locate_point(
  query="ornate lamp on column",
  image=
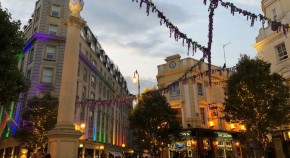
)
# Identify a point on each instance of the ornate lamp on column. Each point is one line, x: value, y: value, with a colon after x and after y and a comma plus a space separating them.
x: 136, y: 79
x: 123, y: 151
x: 63, y: 140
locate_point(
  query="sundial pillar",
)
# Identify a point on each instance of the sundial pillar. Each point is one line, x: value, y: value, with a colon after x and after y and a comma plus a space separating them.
x: 63, y: 140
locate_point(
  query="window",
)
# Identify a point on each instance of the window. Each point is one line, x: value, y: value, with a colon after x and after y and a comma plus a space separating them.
x: 55, y: 11
x: 77, y: 90
x: 37, y: 13
x: 175, y: 91
x: 50, y: 52
x: 199, y: 89
x: 94, y: 63
x: 31, y: 54
x: 100, y: 87
x: 52, y: 30
x: 85, y: 74
x: 282, y: 52
x: 274, y: 13
x: 35, y: 29
x: 104, y: 91
x: 47, y: 75
x: 93, y: 81
x: 79, y: 66
x: 84, y: 92
x: 28, y: 75
x: 202, y: 115
x: 92, y: 95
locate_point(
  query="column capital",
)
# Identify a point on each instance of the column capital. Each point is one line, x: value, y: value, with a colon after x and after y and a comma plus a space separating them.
x: 75, y: 21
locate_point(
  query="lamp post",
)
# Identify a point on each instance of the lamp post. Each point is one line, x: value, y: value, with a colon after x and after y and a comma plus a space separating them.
x: 225, y: 53
x: 136, y: 79
x: 123, y: 152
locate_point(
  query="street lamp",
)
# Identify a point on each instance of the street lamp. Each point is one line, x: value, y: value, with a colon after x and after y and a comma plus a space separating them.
x: 123, y: 146
x: 136, y: 79
x: 225, y: 53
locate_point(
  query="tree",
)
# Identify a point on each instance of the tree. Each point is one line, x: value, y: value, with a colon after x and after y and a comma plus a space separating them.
x: 39, y: 117
x: 154, y: 123
x: 12, y: 81
x: 257, y: 97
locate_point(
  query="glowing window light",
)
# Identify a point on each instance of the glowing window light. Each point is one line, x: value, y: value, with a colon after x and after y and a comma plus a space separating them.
x: 243, y: 127
x: 211, y: 123
x: 233, y: 126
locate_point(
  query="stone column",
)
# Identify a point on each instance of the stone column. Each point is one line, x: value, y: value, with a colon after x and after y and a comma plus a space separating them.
x: 63, y: 140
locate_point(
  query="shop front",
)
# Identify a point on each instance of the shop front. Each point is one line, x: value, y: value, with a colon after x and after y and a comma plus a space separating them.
x: 204, y: 143
x: 281, y: 141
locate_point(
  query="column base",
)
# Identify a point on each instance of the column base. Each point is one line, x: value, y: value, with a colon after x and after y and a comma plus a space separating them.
x: 63, y: 142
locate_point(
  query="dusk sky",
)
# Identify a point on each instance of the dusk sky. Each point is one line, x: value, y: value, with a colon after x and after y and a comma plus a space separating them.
x: 134, y: 40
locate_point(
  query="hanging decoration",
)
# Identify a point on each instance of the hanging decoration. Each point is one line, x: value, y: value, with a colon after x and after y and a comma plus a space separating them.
x: 174, y: 31
x: 275, y: 25
x: 150, y: 6
x: 177, y: 34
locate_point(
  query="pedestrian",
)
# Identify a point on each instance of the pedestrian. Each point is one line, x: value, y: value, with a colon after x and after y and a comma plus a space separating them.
x: 47, y: 156
x: 39, y: 154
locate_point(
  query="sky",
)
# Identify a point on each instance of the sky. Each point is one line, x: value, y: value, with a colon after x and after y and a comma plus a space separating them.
x: 135, y: 41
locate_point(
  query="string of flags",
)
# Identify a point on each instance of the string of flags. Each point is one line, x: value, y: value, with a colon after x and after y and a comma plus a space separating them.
x: 93, y: 104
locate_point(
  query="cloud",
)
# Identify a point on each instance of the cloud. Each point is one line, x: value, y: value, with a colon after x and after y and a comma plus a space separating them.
x: 20, y: 10
x: 249, y: 2
x: 125, y: 24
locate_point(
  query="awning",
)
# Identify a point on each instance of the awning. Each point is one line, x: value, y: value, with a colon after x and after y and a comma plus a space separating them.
x: 116, y: 154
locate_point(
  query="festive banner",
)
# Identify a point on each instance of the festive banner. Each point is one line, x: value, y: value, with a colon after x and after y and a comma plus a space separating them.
x: 4, y: 122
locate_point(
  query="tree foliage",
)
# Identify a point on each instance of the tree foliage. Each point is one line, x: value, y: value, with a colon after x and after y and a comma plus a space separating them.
x: 154, y: 123
x: 12, y: 81
x: 257, y: 97
x: 39, y: 117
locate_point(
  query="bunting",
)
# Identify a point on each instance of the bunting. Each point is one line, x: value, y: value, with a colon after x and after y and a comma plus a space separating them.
x: 4, y: 122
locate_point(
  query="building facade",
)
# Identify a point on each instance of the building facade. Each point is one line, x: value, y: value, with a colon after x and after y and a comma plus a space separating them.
x: 199, y: 105
x: 273, y: 47
x: 105, y: 126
